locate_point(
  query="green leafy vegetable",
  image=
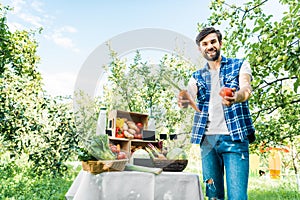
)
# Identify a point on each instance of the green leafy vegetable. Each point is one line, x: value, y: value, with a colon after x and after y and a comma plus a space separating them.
x: 98, y: 147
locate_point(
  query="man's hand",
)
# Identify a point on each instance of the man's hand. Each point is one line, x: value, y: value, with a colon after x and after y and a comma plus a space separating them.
x: 229, y: 100
x: 184, y: 99
x: 243, y: 94
x: 182, y: 103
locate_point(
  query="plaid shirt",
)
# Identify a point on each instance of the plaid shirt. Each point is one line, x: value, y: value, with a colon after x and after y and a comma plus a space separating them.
x: 237, y: 116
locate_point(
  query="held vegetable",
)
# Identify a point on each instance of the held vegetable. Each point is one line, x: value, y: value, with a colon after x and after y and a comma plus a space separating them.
x: 225, y: 91
x: 185, y: 96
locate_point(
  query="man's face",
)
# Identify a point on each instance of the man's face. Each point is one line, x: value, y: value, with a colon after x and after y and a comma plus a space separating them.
x: 210, y: 47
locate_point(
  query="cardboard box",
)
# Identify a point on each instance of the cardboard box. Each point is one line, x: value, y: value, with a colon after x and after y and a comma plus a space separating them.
x: 132, y: 116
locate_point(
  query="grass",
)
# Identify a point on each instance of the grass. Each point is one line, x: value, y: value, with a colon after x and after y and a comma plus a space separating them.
x: 264, y: 188
x: 261, y: 188
x: 267, y: 189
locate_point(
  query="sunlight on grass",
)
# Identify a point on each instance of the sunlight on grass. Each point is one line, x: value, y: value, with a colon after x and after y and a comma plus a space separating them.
x: 264, y: 188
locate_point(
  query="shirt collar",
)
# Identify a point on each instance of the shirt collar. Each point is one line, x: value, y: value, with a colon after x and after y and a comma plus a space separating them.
x: 224, y: 60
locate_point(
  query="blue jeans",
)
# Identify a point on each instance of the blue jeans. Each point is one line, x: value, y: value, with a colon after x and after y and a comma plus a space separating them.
x: 220, y: 155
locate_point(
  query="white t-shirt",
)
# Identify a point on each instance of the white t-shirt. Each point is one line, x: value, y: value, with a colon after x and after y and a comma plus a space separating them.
x: 216, y: 121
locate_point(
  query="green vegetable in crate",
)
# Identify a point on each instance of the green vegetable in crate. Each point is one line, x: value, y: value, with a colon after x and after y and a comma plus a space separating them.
x: 176, y: 154
x: 98, y: 146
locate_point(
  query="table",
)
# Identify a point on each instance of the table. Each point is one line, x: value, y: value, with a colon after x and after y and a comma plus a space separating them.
x: 131, y: 185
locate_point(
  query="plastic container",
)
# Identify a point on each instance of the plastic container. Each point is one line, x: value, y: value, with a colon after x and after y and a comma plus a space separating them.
x: 275, y: 164
x: 101, y: 123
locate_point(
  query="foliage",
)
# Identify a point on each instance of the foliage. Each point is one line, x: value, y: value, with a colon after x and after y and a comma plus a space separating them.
x: 272, y: 48
x: 86, y: 115
x: 30, y: 122
x: 57, y: 139
x: 141, y: 87
x: 19, y: 181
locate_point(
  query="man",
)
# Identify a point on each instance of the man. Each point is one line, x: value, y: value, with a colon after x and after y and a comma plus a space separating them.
x: 224, y: 123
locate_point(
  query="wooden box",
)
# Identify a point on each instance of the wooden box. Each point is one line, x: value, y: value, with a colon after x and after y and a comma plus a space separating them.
x: 131, y: 116
x: 123, y: 142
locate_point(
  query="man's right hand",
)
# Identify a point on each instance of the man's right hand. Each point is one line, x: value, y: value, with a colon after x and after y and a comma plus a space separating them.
x: 182, y: 101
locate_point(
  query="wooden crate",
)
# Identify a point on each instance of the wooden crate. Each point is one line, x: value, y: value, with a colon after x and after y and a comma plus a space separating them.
x: 131, y: 116
x: 123, y: 142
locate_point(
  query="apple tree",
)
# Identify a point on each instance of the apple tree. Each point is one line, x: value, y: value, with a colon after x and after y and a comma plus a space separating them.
x: 33, y: 126
x: 139, y: 86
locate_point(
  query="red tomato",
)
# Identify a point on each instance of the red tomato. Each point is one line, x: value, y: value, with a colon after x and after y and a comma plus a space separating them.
x: 226, y: 92
x: 140, y: 125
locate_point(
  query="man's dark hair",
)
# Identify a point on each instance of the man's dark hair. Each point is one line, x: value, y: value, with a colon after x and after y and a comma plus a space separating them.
x: 206, y: 31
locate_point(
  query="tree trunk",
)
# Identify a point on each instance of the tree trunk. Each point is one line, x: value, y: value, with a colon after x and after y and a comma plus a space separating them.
x: 295, y: 157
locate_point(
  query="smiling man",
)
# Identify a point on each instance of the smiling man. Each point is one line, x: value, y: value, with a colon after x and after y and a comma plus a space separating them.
x: 223, y: 126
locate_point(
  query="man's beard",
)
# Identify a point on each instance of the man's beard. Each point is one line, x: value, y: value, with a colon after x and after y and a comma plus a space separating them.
x: 214, y: 58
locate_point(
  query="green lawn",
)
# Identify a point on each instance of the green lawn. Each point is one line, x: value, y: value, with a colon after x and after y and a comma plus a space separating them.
x: 264, y: 188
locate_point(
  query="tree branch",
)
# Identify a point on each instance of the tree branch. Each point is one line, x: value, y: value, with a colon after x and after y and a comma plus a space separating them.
x: 245, y: 11
x: 272, y: 109
x: 272, y: 82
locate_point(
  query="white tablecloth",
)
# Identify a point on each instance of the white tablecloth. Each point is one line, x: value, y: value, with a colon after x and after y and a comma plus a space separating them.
x: 130, y: 185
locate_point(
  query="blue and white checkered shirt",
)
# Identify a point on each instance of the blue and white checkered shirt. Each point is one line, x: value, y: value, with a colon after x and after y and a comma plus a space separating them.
x: 237, y: 116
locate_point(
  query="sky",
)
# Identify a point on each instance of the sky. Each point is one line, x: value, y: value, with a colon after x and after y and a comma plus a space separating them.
x: 73, y: 29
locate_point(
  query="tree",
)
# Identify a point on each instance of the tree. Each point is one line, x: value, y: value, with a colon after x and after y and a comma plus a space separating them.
x: 32, y: 125
x: 273, y: 50
x: 141, y: 87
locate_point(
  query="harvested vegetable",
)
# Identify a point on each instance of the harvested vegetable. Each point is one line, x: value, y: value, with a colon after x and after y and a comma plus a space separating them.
x: 119, y: 133
x: 156, y: 152
x: 176, y: 154
x: 98, y: 147
x: 128, y: 135
x: 130, y: 167
x: 150, y: 153
x: 120, y: 122
x: 141, y: 153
